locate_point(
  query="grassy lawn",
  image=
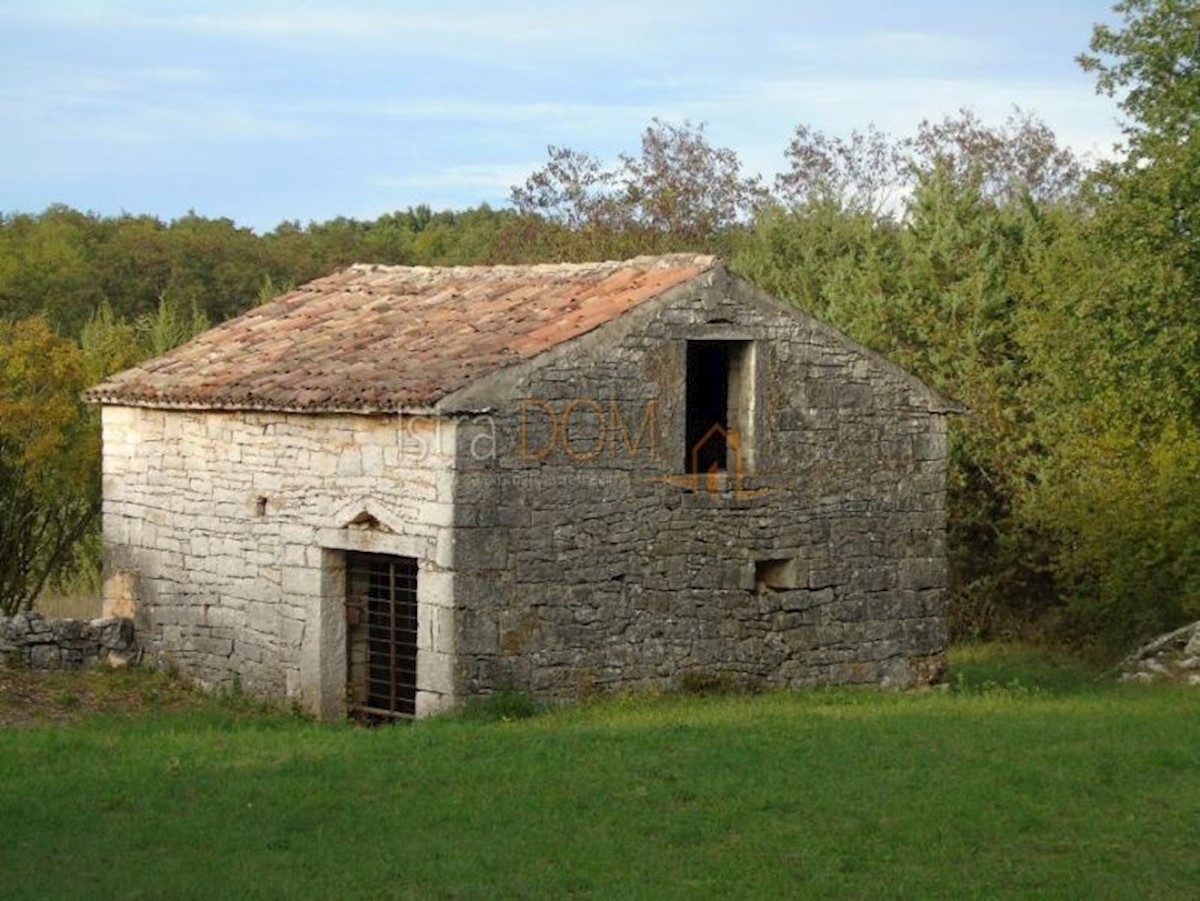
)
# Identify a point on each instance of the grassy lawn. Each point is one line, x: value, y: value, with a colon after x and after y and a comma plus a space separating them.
x: 1028, y: 778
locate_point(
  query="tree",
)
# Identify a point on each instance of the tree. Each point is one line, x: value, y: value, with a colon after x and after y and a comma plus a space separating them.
x: 918, y: 248
x: 1150, y: 214
x: 679, y: 193
x: 47, y: 266
x: 840, y: 265
x: 1019, y: 157
x: 574, y: 189
x: 109, y: 344
x: 863, y: 173
x: 873, y: 172
x: 168, y: 325
x: 954, y: 321
x: 1154, y: 58
x: 49, y: 449
x: 1117, y: 342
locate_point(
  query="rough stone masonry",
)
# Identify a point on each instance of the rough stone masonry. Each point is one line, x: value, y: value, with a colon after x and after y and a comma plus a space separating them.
x: 31, y: 640
x: 582, y: 562
x: 533, y: 458
x: 1174, y: 657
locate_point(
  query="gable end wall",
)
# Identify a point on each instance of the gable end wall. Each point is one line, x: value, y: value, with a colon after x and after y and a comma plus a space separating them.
x: 576, y: 572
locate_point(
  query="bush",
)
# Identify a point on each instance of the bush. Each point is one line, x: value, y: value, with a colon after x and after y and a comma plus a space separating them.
x: 1129, y: 557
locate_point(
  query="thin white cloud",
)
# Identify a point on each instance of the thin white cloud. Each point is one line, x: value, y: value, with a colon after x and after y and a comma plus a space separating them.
x: 493, y: 179
x: 141, y: 104
x: 174, y: 74
x: 49, y: 83
x: 619, y: 25
x: 892, y: 48
x: 384, y: 25
x: 501, y: 112
x: 213, y: 123
x: 499, y: 24
x: 78, y: 116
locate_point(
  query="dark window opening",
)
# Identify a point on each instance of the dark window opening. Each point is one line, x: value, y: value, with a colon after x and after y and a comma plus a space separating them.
x: 707, y: 406
x: 719, y: 406
x: 381, y: 635
x: 774, y: 575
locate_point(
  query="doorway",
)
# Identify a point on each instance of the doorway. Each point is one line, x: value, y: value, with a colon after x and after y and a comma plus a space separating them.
x: 381, y: 635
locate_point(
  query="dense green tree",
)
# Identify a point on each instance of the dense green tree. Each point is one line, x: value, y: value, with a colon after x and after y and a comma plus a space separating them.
x: 1150, y: 214
x: 953, y: 319
x: 132, y: 263
x: 841, y: 265
x: 109, y: 344
x: 1118, y: 337
x: 46, y: 266
x: 49, y: 450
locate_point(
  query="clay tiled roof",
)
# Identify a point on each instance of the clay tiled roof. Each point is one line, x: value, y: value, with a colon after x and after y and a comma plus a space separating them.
x: 387, y: 338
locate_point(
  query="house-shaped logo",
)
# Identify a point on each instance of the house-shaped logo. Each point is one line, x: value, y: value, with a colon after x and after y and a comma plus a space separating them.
x: 716, y: 465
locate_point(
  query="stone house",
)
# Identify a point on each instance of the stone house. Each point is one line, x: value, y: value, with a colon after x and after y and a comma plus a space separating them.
x: 393, y: 488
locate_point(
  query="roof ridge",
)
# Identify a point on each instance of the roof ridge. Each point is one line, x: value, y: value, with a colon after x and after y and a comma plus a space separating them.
x: 644, y: 261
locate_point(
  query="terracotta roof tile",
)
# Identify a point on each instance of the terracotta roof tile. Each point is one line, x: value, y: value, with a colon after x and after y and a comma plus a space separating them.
x: 388, y: 338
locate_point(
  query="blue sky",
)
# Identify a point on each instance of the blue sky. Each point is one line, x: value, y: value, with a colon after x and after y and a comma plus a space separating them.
x: 265, y: 111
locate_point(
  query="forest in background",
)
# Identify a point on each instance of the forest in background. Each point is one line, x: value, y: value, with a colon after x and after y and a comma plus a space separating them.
x: 1056, y: 297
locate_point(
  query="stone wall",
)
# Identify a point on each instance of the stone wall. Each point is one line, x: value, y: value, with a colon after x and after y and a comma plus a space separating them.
x: 1174, y: 657
x: 602, y: 567
x: 29, y: 639
x: 226, y: 534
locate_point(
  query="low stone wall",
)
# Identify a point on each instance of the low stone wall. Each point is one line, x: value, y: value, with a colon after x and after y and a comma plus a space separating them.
x: 1174, y: 657
x: 32, y: 640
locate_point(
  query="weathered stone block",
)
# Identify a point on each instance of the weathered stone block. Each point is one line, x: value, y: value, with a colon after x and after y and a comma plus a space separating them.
x: 480, y: 549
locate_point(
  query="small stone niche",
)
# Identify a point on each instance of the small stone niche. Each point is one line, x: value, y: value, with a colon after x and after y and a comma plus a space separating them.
x: 775, y: 575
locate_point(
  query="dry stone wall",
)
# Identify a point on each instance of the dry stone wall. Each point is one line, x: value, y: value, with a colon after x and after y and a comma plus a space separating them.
x: 1174, y: 657
x: 29, y: 639
x: 591, y: 566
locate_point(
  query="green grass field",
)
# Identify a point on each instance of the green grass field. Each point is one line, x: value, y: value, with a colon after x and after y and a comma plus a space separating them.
x: 1028, y: 778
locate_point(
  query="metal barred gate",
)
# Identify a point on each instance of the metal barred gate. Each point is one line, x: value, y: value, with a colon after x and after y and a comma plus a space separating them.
x: 381, y: 635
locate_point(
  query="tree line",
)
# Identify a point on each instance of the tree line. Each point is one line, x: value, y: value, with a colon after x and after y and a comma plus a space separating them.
x: 1057, y: 299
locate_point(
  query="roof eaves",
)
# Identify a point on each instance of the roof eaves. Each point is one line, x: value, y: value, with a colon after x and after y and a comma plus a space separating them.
x: 220, y: 405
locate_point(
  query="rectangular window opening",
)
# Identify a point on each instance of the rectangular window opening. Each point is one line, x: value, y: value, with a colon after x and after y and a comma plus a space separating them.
x: 720, y: 407
x: 381, y: 635
x: 774, y: 575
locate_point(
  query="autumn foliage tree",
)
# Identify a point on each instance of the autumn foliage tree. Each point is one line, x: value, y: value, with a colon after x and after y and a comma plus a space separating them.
x: 49, y: 449
x: 679, y: 193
